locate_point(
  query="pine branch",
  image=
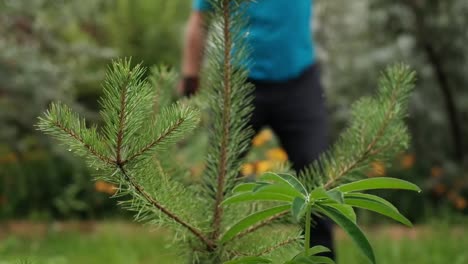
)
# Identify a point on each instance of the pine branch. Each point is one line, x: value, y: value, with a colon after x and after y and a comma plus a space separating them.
x: 218, y: 209
x: 377, y: 132
x: 155, y: 142
x: 90, y: 149
x: 198, y: 233
x: 60, y: 122
x: 127, y: 107
x: 122, y: 127
x: 279, y: 245
x: 370, y: 149
x: 123, y: 106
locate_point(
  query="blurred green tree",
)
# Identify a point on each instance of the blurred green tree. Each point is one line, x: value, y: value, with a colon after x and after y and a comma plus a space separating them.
x: 358, y: 38
x: 47, y: 55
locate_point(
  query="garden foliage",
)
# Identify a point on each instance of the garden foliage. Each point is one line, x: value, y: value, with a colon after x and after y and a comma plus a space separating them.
x: 56, y: 51
x: 358, y: 39
x: 219, y: 219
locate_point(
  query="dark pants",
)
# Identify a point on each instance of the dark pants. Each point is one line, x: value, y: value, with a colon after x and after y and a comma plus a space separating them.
x: 295, y: 111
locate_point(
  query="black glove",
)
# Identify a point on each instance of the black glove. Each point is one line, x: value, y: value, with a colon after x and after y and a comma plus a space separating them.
x: 190, y: 86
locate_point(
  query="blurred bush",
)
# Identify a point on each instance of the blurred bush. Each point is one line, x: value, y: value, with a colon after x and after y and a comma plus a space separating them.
x: 47, y: 55
x: 358, y: 38
x: 57, y: 51
x: 150, y: 31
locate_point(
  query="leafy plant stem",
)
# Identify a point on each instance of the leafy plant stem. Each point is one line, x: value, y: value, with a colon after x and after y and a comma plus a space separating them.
x: 307, y: 229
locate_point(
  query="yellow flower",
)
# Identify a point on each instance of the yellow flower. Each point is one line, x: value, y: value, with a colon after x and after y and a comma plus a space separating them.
x: 440, y: 189
x: 407, y: 161
x: 277, y: 154
x: 261, y: 138
x: 436, y: 172
x: 247, y: 169
x: 35, y: 155
x: 460, y: 203
x: 452, y: 196
x: 197, y: 170
x: 378, y: 169
x: 9, y: 158
x: 105, y: 187
x: 263, y: 166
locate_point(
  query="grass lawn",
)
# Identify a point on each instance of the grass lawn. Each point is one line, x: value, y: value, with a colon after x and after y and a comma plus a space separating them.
x: 121, y: 243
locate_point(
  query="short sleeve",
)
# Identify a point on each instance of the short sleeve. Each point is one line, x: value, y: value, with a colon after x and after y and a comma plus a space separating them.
x: 201, y: 5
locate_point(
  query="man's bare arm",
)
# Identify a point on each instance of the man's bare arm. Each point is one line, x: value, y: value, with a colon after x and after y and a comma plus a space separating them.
x: 192, y: 57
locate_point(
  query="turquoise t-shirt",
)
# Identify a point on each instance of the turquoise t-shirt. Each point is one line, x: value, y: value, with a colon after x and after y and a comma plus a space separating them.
x: 279, y: 37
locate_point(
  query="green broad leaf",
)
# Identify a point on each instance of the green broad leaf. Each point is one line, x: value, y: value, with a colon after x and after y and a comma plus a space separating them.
x: 378, y: 207
x: 251, y: 220
x: 260, y: 184
x: 284, y: 189
x: 257, y: 196
x: 249, y: 260
x: 313, y: 251
x: 344, y: 209
x: 272, y: 177
x: 336, y: 195
x: 321, y: 260
x: 318, y: 193
x: 351, y: 229
x: 317, y: 250
x: 378, y: 183
x: 244, y: 187
x: 298, y: 208
x: 370, y: 197
x: 311, y: 260
x: 285, y: 178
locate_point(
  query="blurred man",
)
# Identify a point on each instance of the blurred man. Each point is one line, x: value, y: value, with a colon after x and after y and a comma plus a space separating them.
x: 288, y: 93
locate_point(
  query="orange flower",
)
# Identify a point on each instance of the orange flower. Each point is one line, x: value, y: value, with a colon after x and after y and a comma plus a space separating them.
x: 436, y: 172
x: 105, y: 187
x: 460, y: 203
x: 407, y: 161
x: 8, y: 158
x: 261, y: 138
x: 277, y: 154
x: 247, y: 169
x: 263, y: 166
x: 440, y: 189
x: 378, y: 169
x: 452, y: 196
x: 35, y: 155
x: 197, y: 170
